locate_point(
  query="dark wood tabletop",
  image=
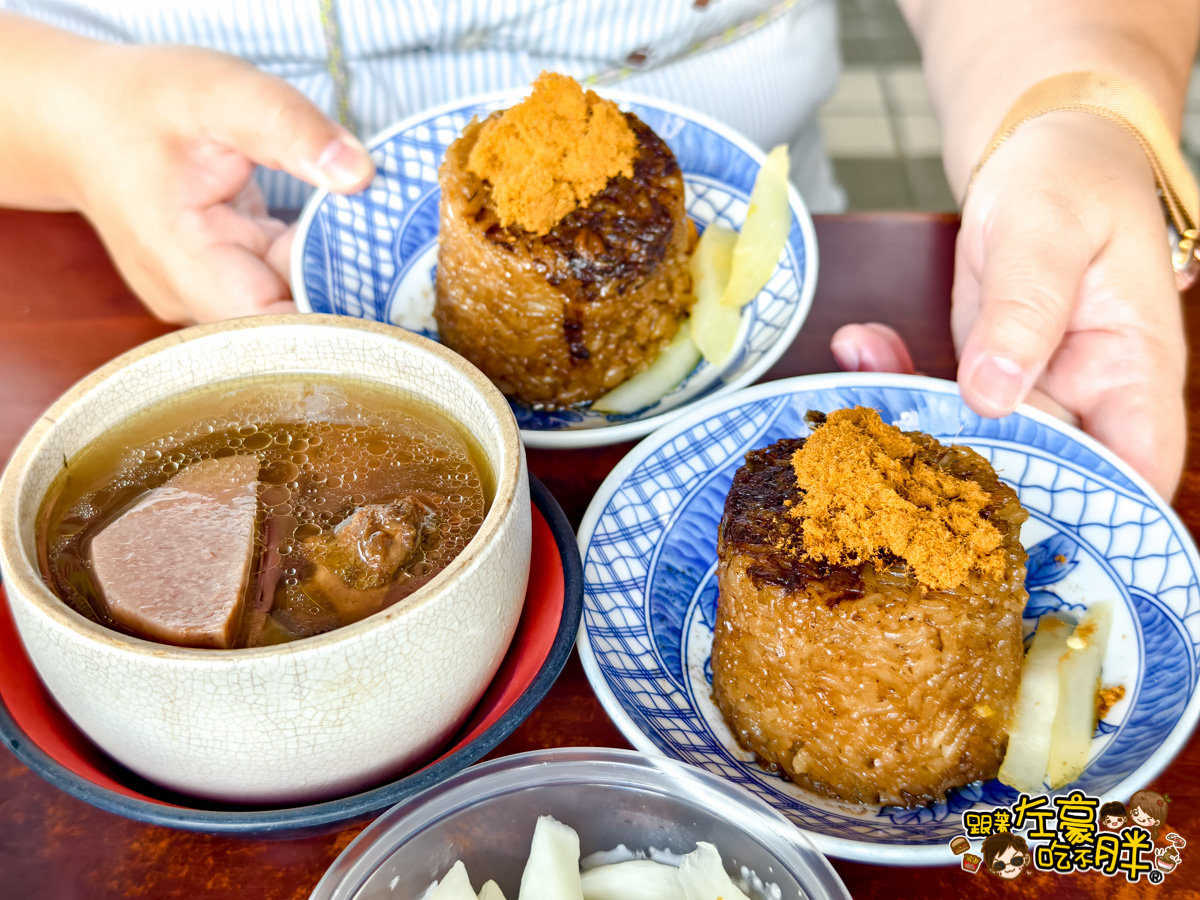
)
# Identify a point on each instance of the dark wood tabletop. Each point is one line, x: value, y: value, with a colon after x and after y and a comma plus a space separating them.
x: 64, y: 311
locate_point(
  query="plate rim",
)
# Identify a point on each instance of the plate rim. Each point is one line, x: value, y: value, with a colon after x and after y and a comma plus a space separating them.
x: 603, y: 435
x: 892, y: 853
x: 295, y: 821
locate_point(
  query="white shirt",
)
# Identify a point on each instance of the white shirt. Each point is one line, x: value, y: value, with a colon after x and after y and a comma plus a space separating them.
x: 761, y: 66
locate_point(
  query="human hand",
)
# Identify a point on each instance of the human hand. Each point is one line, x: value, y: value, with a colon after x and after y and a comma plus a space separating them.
x: 1064, y: 295
x: 164, y: 146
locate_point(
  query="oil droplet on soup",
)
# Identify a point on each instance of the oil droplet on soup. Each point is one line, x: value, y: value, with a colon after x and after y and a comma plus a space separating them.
x: 362, y: 497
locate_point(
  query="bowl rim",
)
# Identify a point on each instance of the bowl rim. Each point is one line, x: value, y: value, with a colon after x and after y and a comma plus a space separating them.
x: 356, y: 806
x: 761, y: 821
x: 891, y: 853
x: 603, y: 435
x: 27, y: 580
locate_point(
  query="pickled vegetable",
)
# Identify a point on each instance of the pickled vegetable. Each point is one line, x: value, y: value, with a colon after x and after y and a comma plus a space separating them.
x: 764, y: 232
x: 646, y: 388
x: 638, y: 879
x: 704, y: 876
x: 1024, y: 766
x: 1078, y: 682
x: 455, y: 885
x: 714, y: 325
x: 552, y: 871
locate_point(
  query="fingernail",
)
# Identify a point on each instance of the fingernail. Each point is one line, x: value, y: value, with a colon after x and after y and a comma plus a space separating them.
x: 343, y: 164
x: 846, y: 354
x: 998, y: 382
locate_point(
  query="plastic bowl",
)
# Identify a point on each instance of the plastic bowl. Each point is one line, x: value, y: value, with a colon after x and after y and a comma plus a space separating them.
x: 485, y: 816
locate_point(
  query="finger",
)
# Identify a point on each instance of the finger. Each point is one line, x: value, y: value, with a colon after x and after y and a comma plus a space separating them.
x: 225, y: 281
x: 1123, y: 366
x: 279, y: 307
x: 274, y: 229
x: 279, y: 256
x: 871, y: 347
x: 250, y: 201
x: 1033, y: 266
x: 223, y: 224
x: 1126, y: 383
x: 1039, y: 399
x: 148, y: 285
x: 1144, y: 424
x: 275, y: 125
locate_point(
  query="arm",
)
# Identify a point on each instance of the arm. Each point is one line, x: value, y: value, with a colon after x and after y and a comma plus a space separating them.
x: 157, y: 146
x: 1064, y: 295
x: 981, y: 55
x: 31, y: 172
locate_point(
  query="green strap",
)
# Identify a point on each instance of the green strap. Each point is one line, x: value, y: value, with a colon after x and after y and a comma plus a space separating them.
x: 336, y: 63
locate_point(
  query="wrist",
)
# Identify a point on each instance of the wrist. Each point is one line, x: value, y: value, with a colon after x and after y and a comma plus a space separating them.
x: 966, y: 144
x: 90, y: 109
x: 1087, y: 166
x: 42, y: 76
x: 974, y: 86
x: 1108, y: 100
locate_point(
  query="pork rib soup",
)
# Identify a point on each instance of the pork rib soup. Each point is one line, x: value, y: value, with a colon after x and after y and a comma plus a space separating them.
x: 253, y: 513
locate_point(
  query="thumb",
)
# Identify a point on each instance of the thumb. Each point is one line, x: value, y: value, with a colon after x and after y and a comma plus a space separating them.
x: 1027, y: 289
x: 275, y: 125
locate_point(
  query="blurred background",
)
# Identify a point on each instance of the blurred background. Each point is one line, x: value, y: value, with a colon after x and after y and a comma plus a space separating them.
x: 879, y: 127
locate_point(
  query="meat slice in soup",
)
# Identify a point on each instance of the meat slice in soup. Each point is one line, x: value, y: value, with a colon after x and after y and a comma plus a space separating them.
x: 355, y: 569
x: 174, y: 566
x: 372, y: 543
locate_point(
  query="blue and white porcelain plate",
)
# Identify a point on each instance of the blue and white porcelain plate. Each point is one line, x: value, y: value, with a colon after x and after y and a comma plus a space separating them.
x: 1096, y: 532
x: 374, y: 254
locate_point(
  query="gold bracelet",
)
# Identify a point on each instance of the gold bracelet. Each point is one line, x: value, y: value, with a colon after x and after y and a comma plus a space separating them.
x: 1119, y: 101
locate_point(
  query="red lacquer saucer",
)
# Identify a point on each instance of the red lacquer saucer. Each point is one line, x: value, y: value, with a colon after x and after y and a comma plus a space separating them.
x: 34, y: 728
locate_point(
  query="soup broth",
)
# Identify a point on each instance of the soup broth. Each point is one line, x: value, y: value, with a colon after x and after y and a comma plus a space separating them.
x: 361, y: 497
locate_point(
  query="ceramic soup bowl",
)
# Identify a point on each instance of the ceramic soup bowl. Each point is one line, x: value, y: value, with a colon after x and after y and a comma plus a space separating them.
x: 293, y: 722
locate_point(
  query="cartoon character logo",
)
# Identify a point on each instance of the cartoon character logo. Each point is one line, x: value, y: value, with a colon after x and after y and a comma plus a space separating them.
x: 1005, y: 854
x: 1149, y: 810
x: 1113, y: 816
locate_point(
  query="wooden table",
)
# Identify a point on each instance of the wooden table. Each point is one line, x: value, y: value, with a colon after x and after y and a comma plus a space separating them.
x: 64, y: 311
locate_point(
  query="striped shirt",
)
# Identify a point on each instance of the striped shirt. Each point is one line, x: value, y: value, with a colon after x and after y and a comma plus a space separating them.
x: 761, y: 66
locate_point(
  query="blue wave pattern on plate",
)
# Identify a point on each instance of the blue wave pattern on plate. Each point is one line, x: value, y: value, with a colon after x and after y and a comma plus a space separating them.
x: 1050, y: 561
x: 1166, y: 686
x: 649, y: 574
x: 361, y: 250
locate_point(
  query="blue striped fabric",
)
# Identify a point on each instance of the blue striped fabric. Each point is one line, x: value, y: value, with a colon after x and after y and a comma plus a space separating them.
x: 404, y: 56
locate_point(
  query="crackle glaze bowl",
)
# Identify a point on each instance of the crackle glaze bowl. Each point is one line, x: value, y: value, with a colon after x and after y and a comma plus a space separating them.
x: 317, y: 718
